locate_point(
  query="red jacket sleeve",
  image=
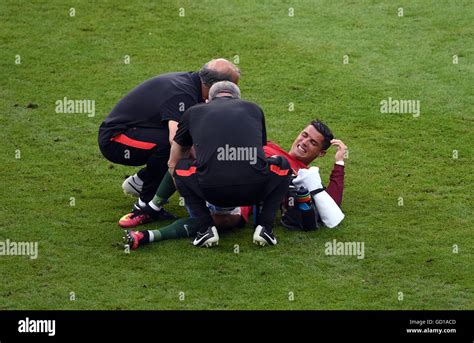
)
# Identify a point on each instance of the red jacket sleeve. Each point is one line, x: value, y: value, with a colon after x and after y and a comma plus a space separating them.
x: 335, y: 187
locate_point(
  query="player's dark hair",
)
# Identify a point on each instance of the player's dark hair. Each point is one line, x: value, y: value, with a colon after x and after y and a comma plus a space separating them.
x: 209, y: 76
x: 325, y: 131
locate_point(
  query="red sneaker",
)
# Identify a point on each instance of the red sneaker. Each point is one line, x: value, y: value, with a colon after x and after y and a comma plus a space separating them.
x: 132, y: 239
x: 134, y: 219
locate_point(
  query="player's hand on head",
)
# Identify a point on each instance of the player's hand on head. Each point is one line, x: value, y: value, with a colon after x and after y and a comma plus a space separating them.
x: 341, y: 149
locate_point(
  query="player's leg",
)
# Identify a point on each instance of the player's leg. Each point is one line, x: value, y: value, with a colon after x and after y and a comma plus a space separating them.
x: 165, y: 190
x: 181, y: 228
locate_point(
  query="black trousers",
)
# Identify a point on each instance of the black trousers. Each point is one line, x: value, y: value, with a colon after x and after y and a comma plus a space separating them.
x: 137, y: 147
x: 269, y: 192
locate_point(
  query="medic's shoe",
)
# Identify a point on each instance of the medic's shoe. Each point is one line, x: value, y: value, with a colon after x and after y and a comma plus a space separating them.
x: 207, y: 238
x: 132, y: 239
x: 262, y: 236
x: 132, y: 185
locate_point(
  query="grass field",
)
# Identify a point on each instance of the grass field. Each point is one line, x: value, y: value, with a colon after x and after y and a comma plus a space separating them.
x: 423, y: 249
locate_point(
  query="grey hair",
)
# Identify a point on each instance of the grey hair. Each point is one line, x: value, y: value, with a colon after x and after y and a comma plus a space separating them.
x: 224, y: 87
x: 210, y: 76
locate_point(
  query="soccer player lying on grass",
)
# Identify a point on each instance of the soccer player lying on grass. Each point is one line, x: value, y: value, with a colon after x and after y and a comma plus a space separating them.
x: 141, y: 127
x: 312, y: 142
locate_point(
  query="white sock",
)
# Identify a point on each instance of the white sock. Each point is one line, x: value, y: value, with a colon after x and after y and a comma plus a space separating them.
x: 151, y: 236
x: 153, y: 206
x: 141, y: 203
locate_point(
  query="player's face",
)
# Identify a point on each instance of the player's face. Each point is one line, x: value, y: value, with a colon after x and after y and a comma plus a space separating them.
x: 308, y: 145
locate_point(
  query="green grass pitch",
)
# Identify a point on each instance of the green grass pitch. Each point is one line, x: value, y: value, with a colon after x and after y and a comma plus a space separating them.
x: 333, y: 60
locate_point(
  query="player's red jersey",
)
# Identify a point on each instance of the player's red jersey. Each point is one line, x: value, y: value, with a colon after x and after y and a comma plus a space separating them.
x: 336, y: 180
x: 274, y: 149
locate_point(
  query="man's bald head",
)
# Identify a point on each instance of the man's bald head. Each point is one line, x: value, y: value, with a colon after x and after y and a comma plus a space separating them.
x: 224, y: 68
x: 217, y: 70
